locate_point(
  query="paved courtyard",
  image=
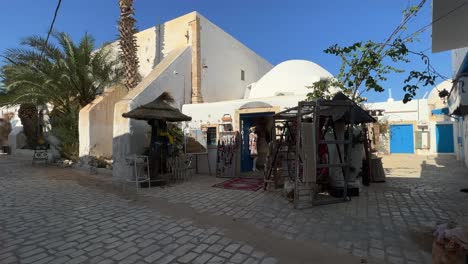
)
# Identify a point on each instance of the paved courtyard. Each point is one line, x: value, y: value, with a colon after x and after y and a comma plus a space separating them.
x: 57, y: 215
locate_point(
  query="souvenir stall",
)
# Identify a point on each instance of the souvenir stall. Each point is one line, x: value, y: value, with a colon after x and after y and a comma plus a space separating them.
x: 227, y: 154
x: 317, y: 155
x: 162, y: 146
x: 227, y: 148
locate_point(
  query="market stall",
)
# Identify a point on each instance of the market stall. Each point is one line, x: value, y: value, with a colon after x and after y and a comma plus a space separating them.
x: 163, y: 143
x: 318, y: 151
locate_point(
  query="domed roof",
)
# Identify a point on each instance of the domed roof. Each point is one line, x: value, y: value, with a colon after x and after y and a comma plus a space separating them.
x: 289, y: 78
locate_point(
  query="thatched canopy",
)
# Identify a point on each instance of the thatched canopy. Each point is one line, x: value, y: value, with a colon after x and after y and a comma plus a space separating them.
x: 159, y: 109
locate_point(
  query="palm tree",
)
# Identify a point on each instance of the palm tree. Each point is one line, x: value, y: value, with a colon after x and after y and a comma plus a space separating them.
x: 41, y: 72
x: 66, y: 75
x: 127, y: 43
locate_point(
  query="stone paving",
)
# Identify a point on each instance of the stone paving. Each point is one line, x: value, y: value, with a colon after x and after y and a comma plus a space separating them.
x: 56, y: 215
x: 389, y: 222
x: 58, y: 221
x: 52, y: 215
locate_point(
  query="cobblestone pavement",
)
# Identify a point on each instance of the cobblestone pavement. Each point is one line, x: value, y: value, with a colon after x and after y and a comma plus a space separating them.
x: 57, y: 215
x: 389, y: 222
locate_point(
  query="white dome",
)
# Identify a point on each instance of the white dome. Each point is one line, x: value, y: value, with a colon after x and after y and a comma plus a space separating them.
x: 289, y: 78
x: 433, y: 97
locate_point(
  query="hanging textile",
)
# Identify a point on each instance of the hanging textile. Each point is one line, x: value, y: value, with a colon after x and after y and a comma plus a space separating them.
x: 226, y: 158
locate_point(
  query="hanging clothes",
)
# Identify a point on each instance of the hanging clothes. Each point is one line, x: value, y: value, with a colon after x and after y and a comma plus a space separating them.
x: 253, y: 138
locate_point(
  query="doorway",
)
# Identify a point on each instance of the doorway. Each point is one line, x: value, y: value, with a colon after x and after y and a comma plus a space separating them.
x: 444, y: 138
x: 401, y: 139
x: 263, y: 122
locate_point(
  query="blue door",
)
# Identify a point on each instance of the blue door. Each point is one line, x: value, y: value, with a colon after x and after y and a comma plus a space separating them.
x: 247, y: 121
x: 444, y: 138
x: 401, y: 139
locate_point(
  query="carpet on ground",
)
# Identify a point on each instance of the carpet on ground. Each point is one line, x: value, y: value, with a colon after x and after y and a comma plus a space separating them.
x: 241, y: 184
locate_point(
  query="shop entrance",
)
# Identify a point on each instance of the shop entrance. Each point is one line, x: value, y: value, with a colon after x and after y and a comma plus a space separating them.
x: 263, y: 123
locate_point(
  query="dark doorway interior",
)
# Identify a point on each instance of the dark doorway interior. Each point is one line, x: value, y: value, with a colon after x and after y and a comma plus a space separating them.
x: 263, y: 123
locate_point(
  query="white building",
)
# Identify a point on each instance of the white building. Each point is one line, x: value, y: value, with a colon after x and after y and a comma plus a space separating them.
x: 190, y: 57
x: 16, y: 138
x: 450, y: 18
x: 281, y: 88
x: 421, y: 126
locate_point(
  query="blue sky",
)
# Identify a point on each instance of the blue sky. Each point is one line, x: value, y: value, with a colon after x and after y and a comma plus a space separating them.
x: 276, y: 30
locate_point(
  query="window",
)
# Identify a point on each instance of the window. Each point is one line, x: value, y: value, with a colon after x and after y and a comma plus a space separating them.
x: 242, y: 75
x: 211, y: 136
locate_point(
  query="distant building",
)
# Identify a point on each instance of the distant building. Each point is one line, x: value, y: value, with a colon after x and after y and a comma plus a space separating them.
x: 421, y: 126
x: 449, y: 20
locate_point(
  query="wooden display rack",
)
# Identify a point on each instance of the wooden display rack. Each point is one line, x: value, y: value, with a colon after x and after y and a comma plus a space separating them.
x: 310, y: 113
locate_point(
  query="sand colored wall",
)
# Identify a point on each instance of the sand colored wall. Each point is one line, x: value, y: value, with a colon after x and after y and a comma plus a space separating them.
x: 157, y: 42
x: 132, y: 136
x: 96, y: 124
x: 154, y: 44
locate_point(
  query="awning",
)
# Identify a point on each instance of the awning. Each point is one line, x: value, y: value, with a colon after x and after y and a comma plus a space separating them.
x: 337, y: 107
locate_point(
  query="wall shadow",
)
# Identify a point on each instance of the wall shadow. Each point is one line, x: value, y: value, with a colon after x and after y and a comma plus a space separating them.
x: 160, y: 31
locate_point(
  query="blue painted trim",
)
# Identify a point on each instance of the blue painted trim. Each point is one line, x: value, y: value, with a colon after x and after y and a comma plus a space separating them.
x: 441, y: 111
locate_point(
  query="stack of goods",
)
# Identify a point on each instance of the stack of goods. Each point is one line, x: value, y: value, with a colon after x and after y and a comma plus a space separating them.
x: 450, y: 244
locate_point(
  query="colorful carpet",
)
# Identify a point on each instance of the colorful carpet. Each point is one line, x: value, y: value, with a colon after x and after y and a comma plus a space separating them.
x: 241, y: 184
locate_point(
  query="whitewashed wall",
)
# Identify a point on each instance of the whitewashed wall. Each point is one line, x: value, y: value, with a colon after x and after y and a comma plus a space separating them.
x: 96, y: 124
x: 460, y: 140
x: 465, y: 138
x: 225, y: 57
x: 157, y: 42
x: 416, y: 110
x: 154, y: 44
x: 211, y: 113
x: 131, y: 136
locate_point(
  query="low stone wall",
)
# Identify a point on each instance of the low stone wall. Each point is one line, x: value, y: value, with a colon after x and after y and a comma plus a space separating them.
x: 96, y: 124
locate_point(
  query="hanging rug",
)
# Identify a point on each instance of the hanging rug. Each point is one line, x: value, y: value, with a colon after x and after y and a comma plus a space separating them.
x: 241, y: 184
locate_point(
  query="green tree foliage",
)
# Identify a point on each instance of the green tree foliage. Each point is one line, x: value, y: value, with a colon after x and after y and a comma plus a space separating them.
x: 41, y: 72
x: 64, y: 74
x: 366, y: 64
